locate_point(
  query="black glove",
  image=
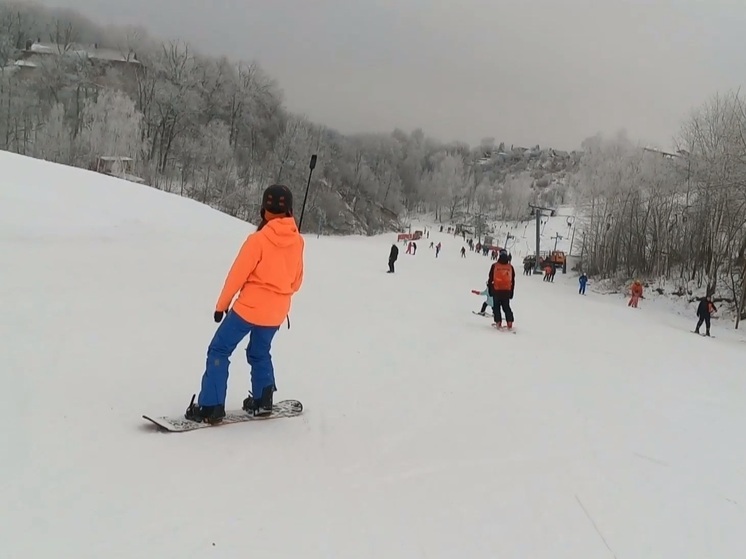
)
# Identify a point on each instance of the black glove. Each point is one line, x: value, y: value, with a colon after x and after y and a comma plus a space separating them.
x: 218, y: 316
x: 511, y: 294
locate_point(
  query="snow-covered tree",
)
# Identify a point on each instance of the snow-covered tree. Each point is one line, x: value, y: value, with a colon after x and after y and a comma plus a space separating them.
x: 53, y: 139
x: 110, y: 126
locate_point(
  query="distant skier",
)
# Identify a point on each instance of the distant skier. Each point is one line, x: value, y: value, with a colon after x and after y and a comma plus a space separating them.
x: 488, y: 302
x: 547, y: 272
x: 501, y: 285
x: 393, y: 255
x: 463, y: 252
x: 704, y: 312
x: 266, y: 273
x: 635, y: 294
x: 582, y: 280
x: 437, y: 250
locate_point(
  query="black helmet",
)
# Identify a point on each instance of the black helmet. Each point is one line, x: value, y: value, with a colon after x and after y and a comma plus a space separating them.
x: 277, y: 199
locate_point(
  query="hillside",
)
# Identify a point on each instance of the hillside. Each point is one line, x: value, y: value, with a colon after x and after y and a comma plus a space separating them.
x: 115, y: 99
x: 595, y: 431
x: 546, y: 171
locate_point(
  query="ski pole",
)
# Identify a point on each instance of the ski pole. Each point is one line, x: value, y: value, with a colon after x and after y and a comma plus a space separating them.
x: 312, y: 166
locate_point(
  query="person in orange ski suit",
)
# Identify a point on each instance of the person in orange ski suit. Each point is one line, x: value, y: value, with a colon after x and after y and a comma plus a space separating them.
x: 636, y: 294
x: 548, y: 272
x: 266, y: 273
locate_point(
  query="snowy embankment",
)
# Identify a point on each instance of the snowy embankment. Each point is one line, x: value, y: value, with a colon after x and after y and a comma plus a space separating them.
x: 595, y: 431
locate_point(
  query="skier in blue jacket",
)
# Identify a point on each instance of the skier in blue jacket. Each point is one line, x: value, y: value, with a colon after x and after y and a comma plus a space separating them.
x: 583, y: 279
x: 488, y: 302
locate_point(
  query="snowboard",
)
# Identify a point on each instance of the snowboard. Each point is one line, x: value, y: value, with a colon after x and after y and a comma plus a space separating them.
x: 179, y: 424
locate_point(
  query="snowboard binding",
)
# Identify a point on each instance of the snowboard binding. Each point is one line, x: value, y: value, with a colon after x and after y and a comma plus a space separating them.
x: 204, y: 414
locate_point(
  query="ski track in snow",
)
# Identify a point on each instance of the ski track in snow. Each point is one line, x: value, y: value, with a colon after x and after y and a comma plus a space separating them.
x: 597, y: 431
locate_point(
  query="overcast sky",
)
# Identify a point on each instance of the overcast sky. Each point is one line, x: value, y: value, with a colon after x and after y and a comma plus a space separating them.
x: 549, y: 72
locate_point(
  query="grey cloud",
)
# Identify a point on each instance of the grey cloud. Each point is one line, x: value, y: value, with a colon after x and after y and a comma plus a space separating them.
x: 540, y: 71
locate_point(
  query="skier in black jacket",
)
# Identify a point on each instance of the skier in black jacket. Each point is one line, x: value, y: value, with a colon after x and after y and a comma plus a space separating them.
x: 393, y: 255
x: 704, y: 312
x: 501, y: 286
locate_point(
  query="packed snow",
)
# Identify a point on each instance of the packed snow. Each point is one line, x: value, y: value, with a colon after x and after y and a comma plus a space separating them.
x: 596, y: 431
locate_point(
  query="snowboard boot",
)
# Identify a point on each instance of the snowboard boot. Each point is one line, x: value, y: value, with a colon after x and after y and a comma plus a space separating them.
x: 261, y: 407
x: 499, y: 325
x: 205, y: 414
x: 510, y: 325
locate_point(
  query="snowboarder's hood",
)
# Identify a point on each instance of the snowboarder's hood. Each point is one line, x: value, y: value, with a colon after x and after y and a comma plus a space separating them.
x: 281, y: 232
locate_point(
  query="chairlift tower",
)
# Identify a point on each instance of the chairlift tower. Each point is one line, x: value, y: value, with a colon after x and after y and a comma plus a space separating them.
x: 557, y: 238
x: 538, y: 212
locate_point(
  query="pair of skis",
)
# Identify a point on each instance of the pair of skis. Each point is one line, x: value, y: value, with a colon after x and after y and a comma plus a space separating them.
x: 703, y: 335
x: 499, y: 329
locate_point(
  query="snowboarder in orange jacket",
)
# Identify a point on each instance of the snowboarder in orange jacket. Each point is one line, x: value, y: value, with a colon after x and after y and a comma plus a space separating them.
x: 266, y: 273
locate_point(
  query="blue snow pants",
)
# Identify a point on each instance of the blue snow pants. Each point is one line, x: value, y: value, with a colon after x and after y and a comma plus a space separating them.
x: 232, y: 330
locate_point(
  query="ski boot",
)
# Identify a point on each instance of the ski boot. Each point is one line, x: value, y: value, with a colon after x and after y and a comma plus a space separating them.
x: 204, y: 414
x: 261, y: 407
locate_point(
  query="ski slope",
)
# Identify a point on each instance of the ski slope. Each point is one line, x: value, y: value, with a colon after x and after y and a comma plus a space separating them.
x: 597, y: 431
x: 563, y: 231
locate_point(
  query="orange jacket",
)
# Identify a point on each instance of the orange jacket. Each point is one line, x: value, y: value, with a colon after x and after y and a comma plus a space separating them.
x: 267, y: 271
x: 636, y: 289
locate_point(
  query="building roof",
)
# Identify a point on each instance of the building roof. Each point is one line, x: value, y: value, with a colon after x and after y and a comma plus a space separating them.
x: 93, y: 52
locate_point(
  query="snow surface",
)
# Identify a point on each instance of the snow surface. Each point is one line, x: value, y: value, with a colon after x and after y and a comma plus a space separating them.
x: 597, y: 431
